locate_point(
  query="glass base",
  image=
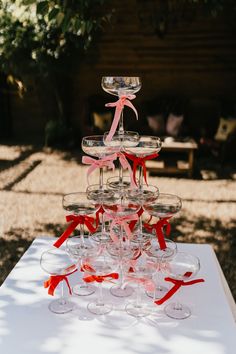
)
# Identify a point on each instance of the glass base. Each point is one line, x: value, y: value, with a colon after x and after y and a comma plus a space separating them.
x: 101, y: 237
x: 119, y: 291
x: 117, y: 183
x: 138, y: 310
x: 61, y: 306
x: 83, y: 290
x: 98, y: 308
x: 160, y: 291
x: 177, y: 311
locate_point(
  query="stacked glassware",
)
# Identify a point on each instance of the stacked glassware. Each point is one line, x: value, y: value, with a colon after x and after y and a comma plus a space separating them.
x: 120, y: 248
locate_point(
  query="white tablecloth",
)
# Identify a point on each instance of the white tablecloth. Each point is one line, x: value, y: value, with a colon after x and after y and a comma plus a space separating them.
x: 27, y: 326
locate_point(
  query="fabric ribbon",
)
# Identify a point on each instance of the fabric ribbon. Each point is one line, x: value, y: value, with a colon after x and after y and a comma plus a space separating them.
x: 147, y: 283
x: 75, y: 220
x: 126, y: 166
x: 106, y: 161
x: 122, y: 221
x: 158, y: 227
x: 140, y: 161
x: 100, y: 211
x: 177, y: 286
x: 54, y: 280
x: 123, y: 101
x: 133, y: 223
x: 101, y: 278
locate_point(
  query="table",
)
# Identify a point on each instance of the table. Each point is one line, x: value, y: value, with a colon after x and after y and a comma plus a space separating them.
x: 27, y: 326
x: 188, y: 147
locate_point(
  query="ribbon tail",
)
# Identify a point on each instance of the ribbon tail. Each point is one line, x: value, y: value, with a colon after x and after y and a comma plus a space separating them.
x: 145, y: 172
x: 114, y: 124
x: 114, y: 238
x: 169, y: 294
x: 65, y: 234
x: 130, y: 105
x: 68, y: 285
x: 161, y: 238
x: 127, y: 230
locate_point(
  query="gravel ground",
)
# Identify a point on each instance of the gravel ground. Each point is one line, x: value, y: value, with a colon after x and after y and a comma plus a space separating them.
x: 32, y: 182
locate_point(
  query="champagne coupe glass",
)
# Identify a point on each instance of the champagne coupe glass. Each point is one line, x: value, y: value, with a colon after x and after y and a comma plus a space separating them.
x: 120, y: 207
x: 184, y: 266
x: 142, y: 272
x: 121, y: 252
x: 120, y: 141
x: 160, y: 255
x: 56, y: 262
x: 101, y: 268
x: 121, y: 86
x: 147, y: 145
x: 164, y: 207
x: 99, y: 195
x: 148, y: 194
x: 78, y: 254
x: 78, y: 204
x: 94, y: 146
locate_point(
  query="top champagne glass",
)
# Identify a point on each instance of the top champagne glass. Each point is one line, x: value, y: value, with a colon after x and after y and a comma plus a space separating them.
x: 121, y: 85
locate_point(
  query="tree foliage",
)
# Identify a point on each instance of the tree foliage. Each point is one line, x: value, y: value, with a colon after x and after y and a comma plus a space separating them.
x: 37, y: 36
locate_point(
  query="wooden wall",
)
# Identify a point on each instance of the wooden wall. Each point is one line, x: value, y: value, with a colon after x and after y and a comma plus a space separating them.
x: 196, y: 58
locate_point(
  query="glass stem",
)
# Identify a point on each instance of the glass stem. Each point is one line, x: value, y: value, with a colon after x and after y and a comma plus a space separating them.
x: 177, y: 306
x: 62, y: 298
x: 140, y: 225
x: 138, y: 295
x: 82, y: 234
x: 103, y: 224
x: 101, y: 178
x: 100, y: 294
x: 157, y: 278
x: 120, y: 175
x: 121, y: 123
x: 140, y: 182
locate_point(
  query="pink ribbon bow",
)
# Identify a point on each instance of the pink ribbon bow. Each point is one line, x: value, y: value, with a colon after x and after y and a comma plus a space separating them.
x: 122, y: 221
x: 106, y: 161
x: 123, y: 101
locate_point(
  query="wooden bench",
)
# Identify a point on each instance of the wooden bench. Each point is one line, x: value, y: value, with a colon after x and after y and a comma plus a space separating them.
x: 181, y: 166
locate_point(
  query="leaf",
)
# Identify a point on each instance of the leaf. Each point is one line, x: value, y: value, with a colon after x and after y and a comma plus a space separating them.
x: 53, y: 13
x: 66, y: 21
x: 60, y: 17
x: 42, y: 7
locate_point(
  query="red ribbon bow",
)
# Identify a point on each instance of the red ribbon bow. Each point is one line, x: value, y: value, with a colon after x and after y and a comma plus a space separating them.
x: 101, y: 278
x: 75, y: 220
x: 54, y: 280
x: 158, y: 227
x: 177, y: 286
x: 140, y: 161
x: 123, y: 101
